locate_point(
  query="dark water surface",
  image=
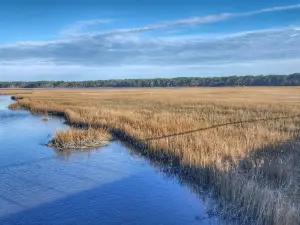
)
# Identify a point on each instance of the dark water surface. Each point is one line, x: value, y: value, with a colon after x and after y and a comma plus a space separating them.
x: 110, y: 185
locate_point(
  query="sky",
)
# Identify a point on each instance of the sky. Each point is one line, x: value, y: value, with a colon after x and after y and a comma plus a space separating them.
x: 118, y: 39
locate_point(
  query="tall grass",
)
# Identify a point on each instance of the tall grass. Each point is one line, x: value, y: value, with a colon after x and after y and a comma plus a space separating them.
x: 252, y: 166
x: 15, y: 106
x: 80, y: 139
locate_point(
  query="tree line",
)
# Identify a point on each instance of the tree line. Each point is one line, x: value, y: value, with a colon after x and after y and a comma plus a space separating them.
x: 231, y: 81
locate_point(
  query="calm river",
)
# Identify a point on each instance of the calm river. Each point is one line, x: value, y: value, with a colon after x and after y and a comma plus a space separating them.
x: 110, y: 185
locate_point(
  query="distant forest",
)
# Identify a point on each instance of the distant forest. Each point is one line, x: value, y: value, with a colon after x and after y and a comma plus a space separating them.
x: 261, y: 80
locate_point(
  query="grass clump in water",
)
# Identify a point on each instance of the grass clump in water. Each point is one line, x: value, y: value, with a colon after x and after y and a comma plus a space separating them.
x: 80, y: 139
x: 46, y: 118
x: 15, y: 106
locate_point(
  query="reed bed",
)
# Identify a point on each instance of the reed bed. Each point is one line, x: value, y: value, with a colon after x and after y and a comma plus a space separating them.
x: 15, y: 106
x: 80, y: 139
x: 242, y: 143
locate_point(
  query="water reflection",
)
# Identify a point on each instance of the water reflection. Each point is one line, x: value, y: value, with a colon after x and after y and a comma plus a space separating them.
x: 69, y: 154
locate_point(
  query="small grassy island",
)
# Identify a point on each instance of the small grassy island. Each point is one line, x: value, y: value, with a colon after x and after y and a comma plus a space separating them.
x: 74, y: 138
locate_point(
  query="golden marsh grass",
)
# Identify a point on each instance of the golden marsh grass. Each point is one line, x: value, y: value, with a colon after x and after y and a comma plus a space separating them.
x: 80, y: 139
x: 252, y: 165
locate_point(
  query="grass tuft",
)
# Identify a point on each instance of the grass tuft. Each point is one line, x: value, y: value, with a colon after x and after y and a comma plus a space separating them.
x: 80, y: 139
x: 15, y: 106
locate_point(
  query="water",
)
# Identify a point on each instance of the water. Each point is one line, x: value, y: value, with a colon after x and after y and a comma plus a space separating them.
x: 110, y: 185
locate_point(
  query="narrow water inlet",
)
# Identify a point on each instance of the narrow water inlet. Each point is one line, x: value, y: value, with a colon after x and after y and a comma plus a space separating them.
x: 111, y: 185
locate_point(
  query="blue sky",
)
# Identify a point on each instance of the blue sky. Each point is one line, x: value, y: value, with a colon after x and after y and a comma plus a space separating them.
x: 83, y: 40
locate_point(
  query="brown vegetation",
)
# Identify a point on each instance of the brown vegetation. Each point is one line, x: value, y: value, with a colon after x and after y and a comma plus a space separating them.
x: 253, y: 164
x: 15, y: 106
x: 80, y: 139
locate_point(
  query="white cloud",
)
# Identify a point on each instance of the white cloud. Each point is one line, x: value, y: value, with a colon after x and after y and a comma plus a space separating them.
x: 81, y: 26
x: 275, y: 9
x: 125, y: 52
x: 193, y: 21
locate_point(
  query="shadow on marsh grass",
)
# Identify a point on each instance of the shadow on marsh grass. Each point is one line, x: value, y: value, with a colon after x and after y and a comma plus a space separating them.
x: 273, y: 170
x: 221, y: 125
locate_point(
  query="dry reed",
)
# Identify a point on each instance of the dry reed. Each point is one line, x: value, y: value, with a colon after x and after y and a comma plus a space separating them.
x: 252, y: 166
x: 80, y: 139
x: 15, y: 106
